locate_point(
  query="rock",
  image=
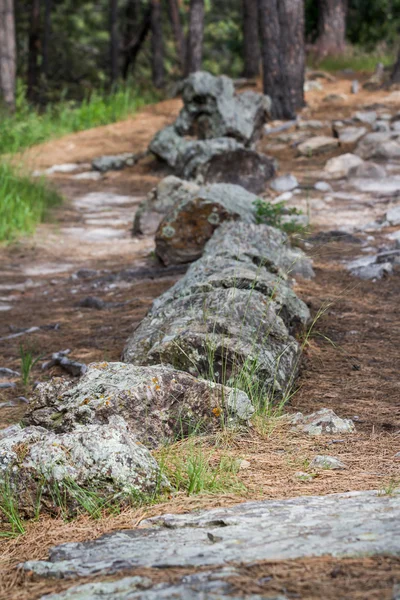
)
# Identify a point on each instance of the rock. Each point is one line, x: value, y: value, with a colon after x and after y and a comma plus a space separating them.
x: 335, y: 98
x: 389, y: 186
x: 304, y: 477
x: 195, y: 157
x: 313, y: 86
x: 367, y: 267
x: 213, y: 110
x: 323, y: 186
x: 88, y: 175
x: 278, y: 126
x: 376, y: 81
x: 159, y: 202
x: 339, y: 166
x: 242, y: 166
x: 220, y: 319
x: 167, y: 145
x: 114, y: 162
x: 393, y: 215
x: 396, y: 126
x: 355, y: 87
x: 379, y: 145
x: 184, y: 231
x: 382, y: 126
x: 324, y: 421
x: 351, y: 135
x: 310, y: 124
x: 7, y: 385
x: 368, y: 170
x: 73, y: 367
x: 5, y: 372
x: 352, y: 525
x: 311, y: 75
x: 326, y: 462
x: 285, y: 183
x: 101, y: 459
x: 368, y: 116
x: 158, y: 403
x: 318, y: 145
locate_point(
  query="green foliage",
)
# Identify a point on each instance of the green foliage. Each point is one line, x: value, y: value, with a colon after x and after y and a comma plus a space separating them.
x: 28, y: 361
x: 277, y: 215
x: 28, y: 127
x: 356, y: 59
x: 9, y: 510
x: 24, y: 202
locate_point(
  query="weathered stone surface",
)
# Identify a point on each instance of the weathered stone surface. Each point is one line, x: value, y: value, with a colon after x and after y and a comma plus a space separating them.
x: 379, y: 145
x: 326, y: 462
x: 114, y: 162
x: 390, y: 186
x: 367, y: 170
x: 284, y: 183
x: 242, y: 166
x: 212, y: 109
x: 353, y: 524
x: 230, y: 312
x: 318, y: 145
x: 323, y: 186
x: 184, y: 231
x: 350, y: 135
x: 196, y: 156
x: 159, y: 202
x: 368, y: 267
x: 105, y: 459
x: 381, y: 126
x: 324, y: 421
x: 167, y: 145
x: 393, y: 215
x: 339, y: 166
x: 367, y: 116
x: 158, y: 403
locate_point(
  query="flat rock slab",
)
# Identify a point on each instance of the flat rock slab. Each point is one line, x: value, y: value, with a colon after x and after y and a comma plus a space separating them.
x: 318, y: 145
x: 353, y: 524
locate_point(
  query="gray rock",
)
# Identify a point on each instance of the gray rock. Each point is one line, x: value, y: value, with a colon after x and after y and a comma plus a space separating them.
x: 324, y: 421
x: 114, y: 162
x: 389, y: 186
x: 326, y: 462
x: 230, y: 313
x: 104, y: 459
x: 311, y: 86
x: 5, y: 372
x: 342, y: 525
x: 7, y: 385
x: 305, y: 477
x: 242, y: 166
x: 381, y: 125
x: 396, y: 126
x: 367, y: 267
x: 393, y: 215
x: 368, y: 170
x: 284, y: 183
x: 379, y: 145
x: 167, y: 145
x: 88, y: 175
x: 355, y: 87
x: 351, y: 135
x: 339, y: 166
x: 335, y: 98
x: 184, y: 231
x: 310, y: 124
x: 323, y: 186
x: 318, y: 145
x: 367, y: 116
x: 195, y: 157
x: 159, y: 202
x: 158, y: 403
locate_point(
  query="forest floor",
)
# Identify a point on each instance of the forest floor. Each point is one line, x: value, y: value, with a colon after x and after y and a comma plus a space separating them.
x: 351, y: 364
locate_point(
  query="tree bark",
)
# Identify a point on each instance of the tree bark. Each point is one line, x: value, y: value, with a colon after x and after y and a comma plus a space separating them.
x: 135, y: 35
x: 157, y: 45
x: 8, y: 54
x: 251, y: 44
x: 395, y: 76
x: 46, y: 38
x: 195, y: 37
x: 283, y: 54
x: 114, y: 42
x: 34, y: 51
x: 173, y: 11
x: 331, y: 27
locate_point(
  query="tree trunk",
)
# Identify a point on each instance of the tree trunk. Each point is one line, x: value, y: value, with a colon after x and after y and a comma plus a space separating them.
x: 157, y: 46
x: 173, y: 11
x: 33, y: 51
x: 395, y: 76
x: 114, y: 42
x: 8, y: 54
x: 135, y: 35
x: 331, y: 27
x: 283, y: 54
x: 46, y: 38
x: 195, y: 37
x: 251, y: 44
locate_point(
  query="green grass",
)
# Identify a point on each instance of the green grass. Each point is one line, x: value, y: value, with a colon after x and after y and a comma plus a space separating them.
x: 355, y: 59
x: 28, y: 126
x: 24, y: 202
x: 28, y: 361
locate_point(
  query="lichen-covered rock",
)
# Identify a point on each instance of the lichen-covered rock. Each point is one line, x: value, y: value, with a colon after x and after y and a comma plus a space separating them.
x: 231, y: 314
x: 167, y: 145
x: 324, y: 421
x: 322, y: 461
x: 114, y: 162
x: 158, y: 403
x: 41, y: 467
x: 159, y: 202
x: 186, y: 228
x: 196, y: 156
x: 243, y: 166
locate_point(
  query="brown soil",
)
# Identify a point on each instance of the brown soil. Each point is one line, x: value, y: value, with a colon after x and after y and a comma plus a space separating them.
x: 351, y: 363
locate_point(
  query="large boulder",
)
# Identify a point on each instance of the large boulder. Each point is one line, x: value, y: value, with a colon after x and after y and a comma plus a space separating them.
x: 159, y: 202
x: 194, y: 156
x: 231, y: 316
x: 184, y: 231
x: 158, y: 403
x: 93, y: 463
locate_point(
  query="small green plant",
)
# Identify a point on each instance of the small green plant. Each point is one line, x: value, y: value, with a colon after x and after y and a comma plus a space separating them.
x: 9, y: 510
x: 277, y: 215
x: 28, y: 361
x: 390, y: 488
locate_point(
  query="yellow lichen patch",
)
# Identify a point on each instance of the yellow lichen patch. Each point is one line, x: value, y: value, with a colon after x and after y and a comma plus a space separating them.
x: 216, y: 411
x: 21, y: 450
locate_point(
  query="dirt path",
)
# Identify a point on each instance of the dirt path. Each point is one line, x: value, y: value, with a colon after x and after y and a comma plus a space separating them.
x: 351, y: 364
